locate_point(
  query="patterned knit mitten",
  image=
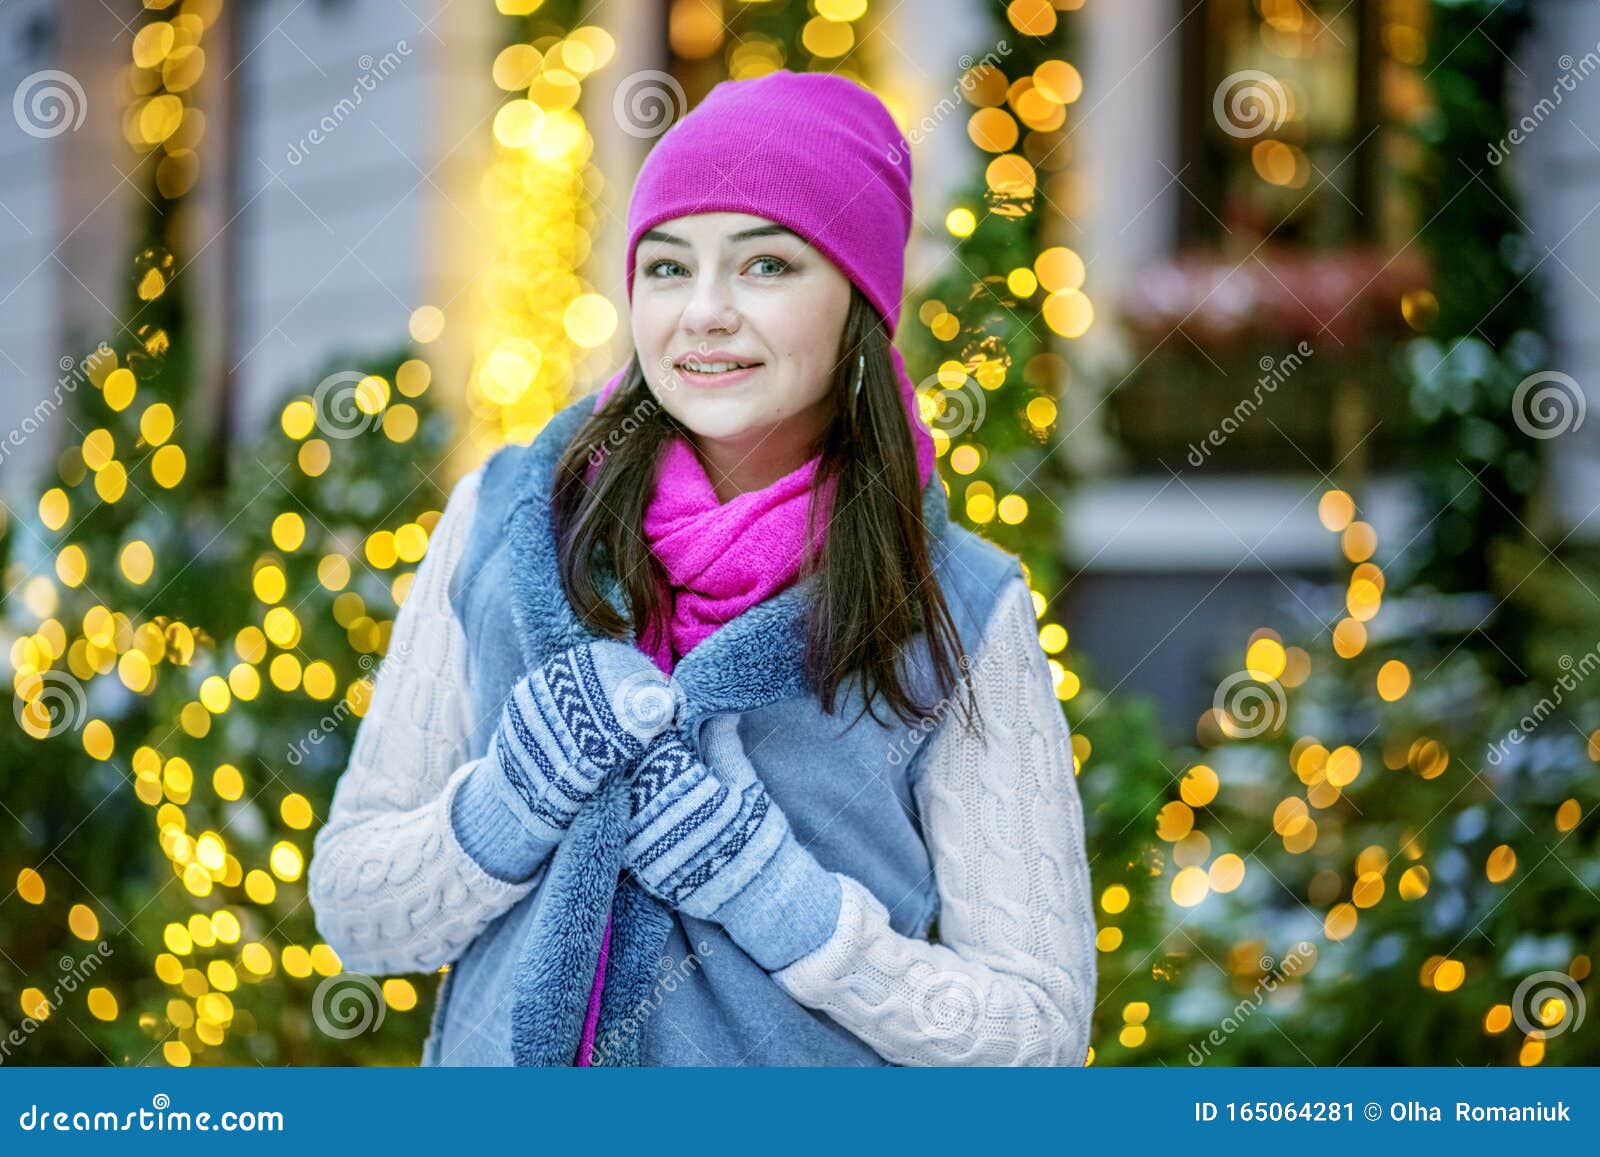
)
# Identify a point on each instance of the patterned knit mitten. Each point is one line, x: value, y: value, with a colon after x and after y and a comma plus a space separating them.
x: 727, y: 853
x: 565, y: 726
x: 585, y: 712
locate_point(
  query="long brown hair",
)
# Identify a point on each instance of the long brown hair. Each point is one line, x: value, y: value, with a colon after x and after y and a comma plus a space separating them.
x: 876, y: 587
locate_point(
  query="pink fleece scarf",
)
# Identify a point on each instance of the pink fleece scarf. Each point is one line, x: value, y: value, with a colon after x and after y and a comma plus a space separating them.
x: 721, y: 559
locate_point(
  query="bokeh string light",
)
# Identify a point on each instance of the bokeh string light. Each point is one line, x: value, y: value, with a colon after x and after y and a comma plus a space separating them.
x: 1017, y: 123
x: 994, y: 326
x: 535, y: 318
x: 1335, y: 801
x: 223, y: 750
x: 116, y: 477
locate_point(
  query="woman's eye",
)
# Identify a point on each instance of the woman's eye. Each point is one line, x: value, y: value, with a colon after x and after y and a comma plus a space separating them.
x: 654, y: 269
x: 769, y: 266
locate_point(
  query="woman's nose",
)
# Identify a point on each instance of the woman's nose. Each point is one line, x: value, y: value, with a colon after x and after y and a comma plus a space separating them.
x: 710, y: 307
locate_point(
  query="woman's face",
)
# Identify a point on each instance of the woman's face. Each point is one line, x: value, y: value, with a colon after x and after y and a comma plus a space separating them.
x: 737, y: 323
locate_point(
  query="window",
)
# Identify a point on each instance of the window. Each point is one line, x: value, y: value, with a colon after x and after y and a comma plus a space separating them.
x: 1293, y: 227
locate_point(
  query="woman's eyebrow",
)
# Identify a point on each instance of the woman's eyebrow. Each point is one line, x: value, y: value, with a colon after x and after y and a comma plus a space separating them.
x: 765, y: 231
x: 743, y: 235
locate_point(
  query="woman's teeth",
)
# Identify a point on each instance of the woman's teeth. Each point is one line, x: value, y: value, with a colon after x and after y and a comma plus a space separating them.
x: 716, y: 367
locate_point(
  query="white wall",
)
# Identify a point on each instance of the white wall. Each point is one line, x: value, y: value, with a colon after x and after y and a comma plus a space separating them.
x: 919, y: 48
x: 338, y: 240
x: 30, y: 331
x: 1558, y: 170
x: 1126, y: 142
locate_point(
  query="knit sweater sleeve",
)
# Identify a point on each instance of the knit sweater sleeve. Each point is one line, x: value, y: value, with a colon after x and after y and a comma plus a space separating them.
x: 417, y: 856
x: 1012, y: 980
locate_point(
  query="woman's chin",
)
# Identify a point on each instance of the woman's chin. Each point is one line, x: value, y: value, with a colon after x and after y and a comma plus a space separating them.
x: 722, y: 419
x: 740, y: 434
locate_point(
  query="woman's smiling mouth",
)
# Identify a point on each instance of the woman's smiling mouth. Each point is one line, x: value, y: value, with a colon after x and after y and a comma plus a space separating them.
x: 709, y: 370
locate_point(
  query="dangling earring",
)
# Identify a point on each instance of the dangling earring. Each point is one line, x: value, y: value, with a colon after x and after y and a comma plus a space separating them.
x: 861, y: 373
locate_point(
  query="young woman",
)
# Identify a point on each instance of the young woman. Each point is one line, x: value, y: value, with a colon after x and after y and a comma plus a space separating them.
x: 820, y: 809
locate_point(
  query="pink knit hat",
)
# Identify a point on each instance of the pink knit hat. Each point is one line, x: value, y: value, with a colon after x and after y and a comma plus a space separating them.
x: 812, y: 151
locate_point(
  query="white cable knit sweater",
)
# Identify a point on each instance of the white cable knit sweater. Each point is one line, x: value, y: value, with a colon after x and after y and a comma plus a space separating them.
x: 1010, y: 983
